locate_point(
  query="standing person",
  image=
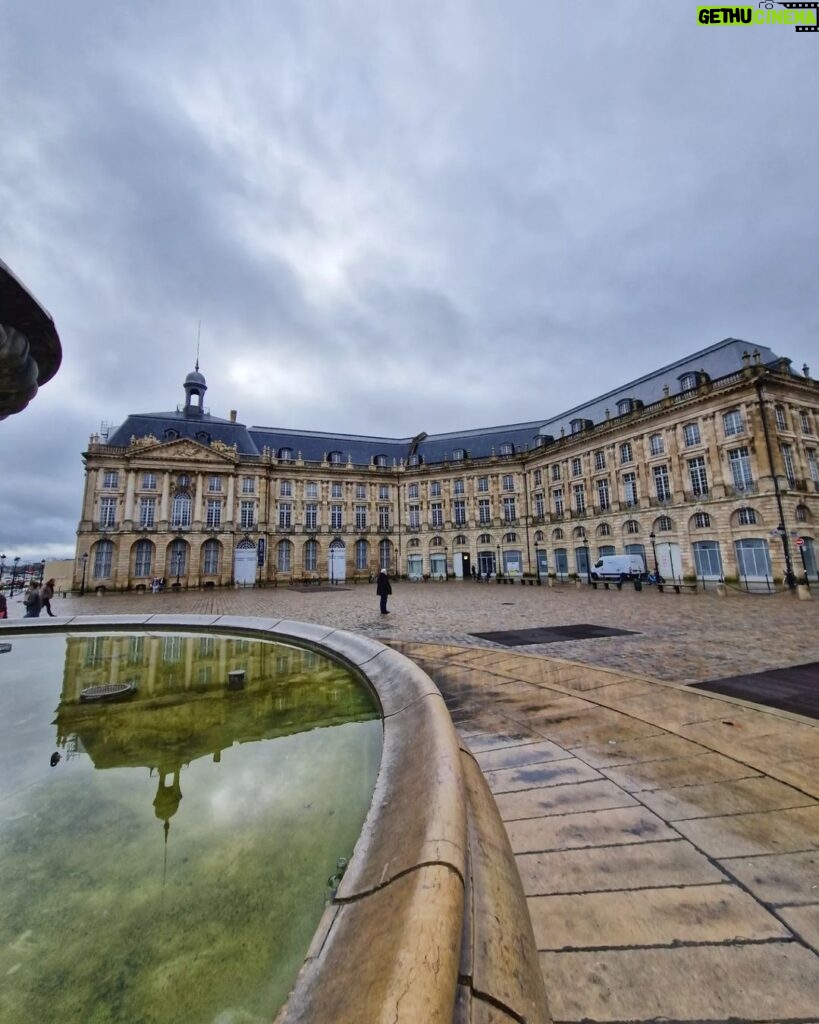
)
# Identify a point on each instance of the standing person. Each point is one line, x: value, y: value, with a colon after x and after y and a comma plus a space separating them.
x: 383, y: 589
x: 46, y: 594
x: 32, y: 601
x: 4, y: 611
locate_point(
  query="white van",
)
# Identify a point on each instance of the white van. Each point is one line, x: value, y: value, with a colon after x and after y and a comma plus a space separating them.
x: 618, y: 567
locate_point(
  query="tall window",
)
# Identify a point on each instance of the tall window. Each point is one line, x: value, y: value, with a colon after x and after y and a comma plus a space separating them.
x: 181, y: 511
x: 698, y: 476
x: 147, y: 512
x: 787, y: 459
x: 661, y: 483
x: 656, y: 444
x: 214, y: 484
x: 103, y: 557
x: 753, y: 557
x: 143, y: 558
x: 579, y: 498
x: 311, y: 555
x: 603, y: 495
x: 509, y: 510
x: 361, y: 490
x: 556, y: 471
x: 702, y: 521
x: 361, y: 517
x: 361, y: 554
x: 311, y: 489
x: 779, y: 414
x: 286, y: 488
x: 664, y: 524
x: 412, y: 491
x: 414, y: 516
x: 179, y: 557
x: 804, y: 419
x: 538, y: 478
x: 484, y: 512
x: 248, y: 485
x: 577, y: 467
x: 213, y: 513
x: 384, y: 492
x: 310, y: 517
x: 284, y: 556
x: 740, y: 462
x: 247, y: 517
x: 383, y: 517
x: 483, y: 483
x: 108, y: 513
x: 458, y: 486
x: 437, y: 514
x: 459, y: 511
x: 435, y: 489
x: 691, y: 434
x: 285, y: 515
x: 813, y: 464
x: 540, y: 505
x: 600, y: 460
x: 732, y: 423
x: 210, y: 557
x: 110, y: 478
x: 557, y: 496
x: 626, y: 453
x: 336, y: 517
x: 707, y: 559
x: 508, y: 482
x: 149, y: 481
x: 385, y: 555
x: 336, y: 490
x: 630, y: 489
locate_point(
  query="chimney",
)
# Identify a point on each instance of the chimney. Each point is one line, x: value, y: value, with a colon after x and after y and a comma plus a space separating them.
x: 232, y: 415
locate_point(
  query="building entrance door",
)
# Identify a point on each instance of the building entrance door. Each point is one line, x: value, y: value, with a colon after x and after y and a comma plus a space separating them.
x: 244, y: 563
x: 337, y: 562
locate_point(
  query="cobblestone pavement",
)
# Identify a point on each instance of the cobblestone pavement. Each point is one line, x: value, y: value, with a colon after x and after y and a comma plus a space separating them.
x: 667, y: 839
x: 681, y: 637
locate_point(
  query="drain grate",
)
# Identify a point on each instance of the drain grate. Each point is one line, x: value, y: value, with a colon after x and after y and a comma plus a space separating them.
x: 794, y: 689
x: 552, y: 634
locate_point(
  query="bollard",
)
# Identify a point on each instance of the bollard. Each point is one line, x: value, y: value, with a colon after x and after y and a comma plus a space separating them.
x: 722, y: 590
x: 638, y: 583
x: 803, y: 592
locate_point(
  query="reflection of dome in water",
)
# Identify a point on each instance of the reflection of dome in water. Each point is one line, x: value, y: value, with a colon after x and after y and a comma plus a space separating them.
x: 168, y: 797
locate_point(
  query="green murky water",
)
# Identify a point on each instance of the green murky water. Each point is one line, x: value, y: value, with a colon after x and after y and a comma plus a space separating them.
x: 173, y: 865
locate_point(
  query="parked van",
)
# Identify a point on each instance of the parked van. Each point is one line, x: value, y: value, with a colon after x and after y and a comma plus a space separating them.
x: 618, y: 567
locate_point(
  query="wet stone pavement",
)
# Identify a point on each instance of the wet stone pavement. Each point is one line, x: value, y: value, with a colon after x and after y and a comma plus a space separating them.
x: 667, y: 838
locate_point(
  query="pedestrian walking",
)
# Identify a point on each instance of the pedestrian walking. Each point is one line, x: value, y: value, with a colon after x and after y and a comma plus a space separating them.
x: 383, y: 589
x: 32, y: 601
x: 4, y: 611
x: 46, y: 593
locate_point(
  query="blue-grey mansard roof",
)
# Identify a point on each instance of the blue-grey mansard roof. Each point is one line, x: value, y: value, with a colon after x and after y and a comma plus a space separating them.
x: 719, y: 360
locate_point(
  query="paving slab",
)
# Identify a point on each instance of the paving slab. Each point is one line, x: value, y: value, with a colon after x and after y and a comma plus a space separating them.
x: 651, y: 917
x: 771, y: 981
x: 678, y: 771
x: 778, y: 878
x: 653, y: 748
x: 581, y: 796
x: 734, y: 797
x: 525, y: 753
x: 554, y: 773
x: 642, y: 865
x: 593, y: 828
x: 804, y: 921
x: 741, y: 834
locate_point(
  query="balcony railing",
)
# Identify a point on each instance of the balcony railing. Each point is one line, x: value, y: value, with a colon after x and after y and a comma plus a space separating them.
x: 738, y: 490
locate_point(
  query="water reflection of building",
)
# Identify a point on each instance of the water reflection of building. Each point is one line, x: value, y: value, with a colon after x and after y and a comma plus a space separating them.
x: 182, y: 710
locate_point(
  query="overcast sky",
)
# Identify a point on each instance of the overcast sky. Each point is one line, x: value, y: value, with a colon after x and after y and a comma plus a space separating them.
x: 389, y: 217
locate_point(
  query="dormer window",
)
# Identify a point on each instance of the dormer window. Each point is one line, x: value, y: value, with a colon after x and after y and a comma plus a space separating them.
x: 507, y: 449
x: 459, y: 455
x: 380, y: 461
x: 414, y: 460
x: 335, y: 458
x: 286, y: 454
x: 171, y: 434
x: 624, y: 406
x: 688, y: 382
x: 577, y: 425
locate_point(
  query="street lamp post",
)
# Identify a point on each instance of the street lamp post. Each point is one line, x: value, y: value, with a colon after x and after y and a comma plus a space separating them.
x: 42, y: 571
x: 446, y: 563
x: 2, y: 569
x: 84, y: 567
x: 537, y: 563
x: 654, y: 550
x: 14, y: 575
x: 588, y: 557
x: 498, y: 572
x: 178, y: 567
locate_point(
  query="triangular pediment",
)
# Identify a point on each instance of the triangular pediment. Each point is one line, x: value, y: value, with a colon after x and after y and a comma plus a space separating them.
x: 183, y: 449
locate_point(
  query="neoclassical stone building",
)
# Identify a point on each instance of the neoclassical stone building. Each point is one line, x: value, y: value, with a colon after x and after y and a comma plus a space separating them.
x: 709, y: 465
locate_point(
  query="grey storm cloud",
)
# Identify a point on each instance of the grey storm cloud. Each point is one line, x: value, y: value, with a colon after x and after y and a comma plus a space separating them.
x: 389, y: 219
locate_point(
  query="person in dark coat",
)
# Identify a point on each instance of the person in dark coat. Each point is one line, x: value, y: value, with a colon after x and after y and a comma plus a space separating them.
x: 383, y: 589
x: 46, y: 593
x: 32, y: 601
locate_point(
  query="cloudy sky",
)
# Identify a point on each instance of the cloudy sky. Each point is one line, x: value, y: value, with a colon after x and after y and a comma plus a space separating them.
x: 389, y: 217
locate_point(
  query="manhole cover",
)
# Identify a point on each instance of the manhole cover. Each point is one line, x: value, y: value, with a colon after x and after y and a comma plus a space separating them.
x: 552, y: 634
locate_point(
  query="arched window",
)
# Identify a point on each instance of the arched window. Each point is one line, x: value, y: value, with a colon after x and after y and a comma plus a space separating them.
x: 510, y: 538
x: 539, y: 535
x: 179, y: 557
x: 604, y: 530
x: 557, y: 534
x: 753, y: 558
x: 311, y: 555
x: 623, y: 406
x: 143, y: 558
x: 211, y: 550
x: 802, y: 514
x: 631, y: 526
x: 171, y: 434
x: 460, y: 539
x: 746, y: 516
x: 203, y: 437
x: 485, y: 538
x: 103, y: 559
x: 413, y: 542
x: 286, y: 454
x: 579, y: 532
x: 284, y: 556
x: 181, y: 511
x: 664, y: 524
x: 606, y: 549
x: 436, y: 542
x: 702, y: 521
x: 362, y: 554
x: 385, y: 555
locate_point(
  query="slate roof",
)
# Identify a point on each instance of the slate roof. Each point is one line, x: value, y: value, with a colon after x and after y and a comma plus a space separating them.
x: 719, y: 360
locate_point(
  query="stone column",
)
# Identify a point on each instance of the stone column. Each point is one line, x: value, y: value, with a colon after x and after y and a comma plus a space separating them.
x: 197, y: 516
x: 164, y: 500
x: 230, y: 497
x: 129, y: 498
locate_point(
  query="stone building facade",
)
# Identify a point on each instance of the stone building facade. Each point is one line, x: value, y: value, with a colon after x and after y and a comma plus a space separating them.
x: 707, y: 467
